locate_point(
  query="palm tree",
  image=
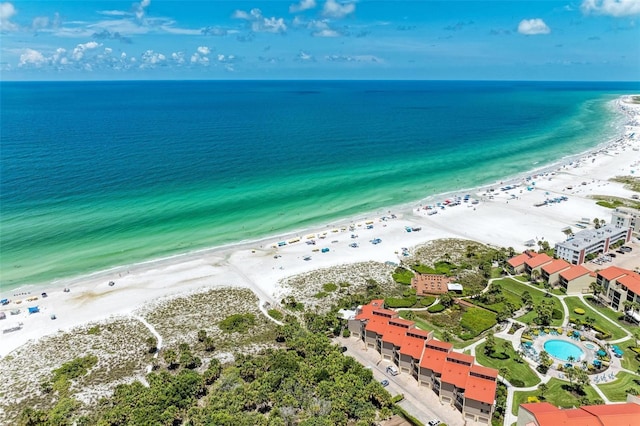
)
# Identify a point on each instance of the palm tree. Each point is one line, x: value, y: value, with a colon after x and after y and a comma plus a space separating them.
x: 571, y: 359
x: 535, y: 275
x: 596, y: 288
x: 542, y: 388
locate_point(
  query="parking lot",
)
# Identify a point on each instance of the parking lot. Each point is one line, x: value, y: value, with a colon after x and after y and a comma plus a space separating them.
x: 627, y: 259
x: 418, y: 401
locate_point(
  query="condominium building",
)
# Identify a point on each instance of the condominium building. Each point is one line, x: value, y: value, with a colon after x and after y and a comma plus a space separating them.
x: 590, y: 241
x: 453, y: 376
x: 536, y: 263
x: 431, y: 283
x: 576, y: 279
x: 515, y: 265
x: 626, y: 217
x: 545, y: 414
x: 619, y: 285
x: 551, y: 271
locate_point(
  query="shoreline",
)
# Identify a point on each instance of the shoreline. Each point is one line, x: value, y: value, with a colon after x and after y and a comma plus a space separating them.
x: 38, y: 287
x: 252, y: 264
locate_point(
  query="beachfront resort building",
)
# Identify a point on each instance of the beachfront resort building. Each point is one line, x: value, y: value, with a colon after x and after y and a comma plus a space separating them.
x: 536, y: 263
x: 576, y: 279
x: 627, y: 218
x: 515, y: 265
x: 550, y: 272
x: 545, y: 414
x: 620, y: 286
x: 432, y: 284
x: 591, y: 241
x: 453, y: 376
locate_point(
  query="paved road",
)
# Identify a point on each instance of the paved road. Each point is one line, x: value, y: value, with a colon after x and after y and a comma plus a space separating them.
x: 418, y: 401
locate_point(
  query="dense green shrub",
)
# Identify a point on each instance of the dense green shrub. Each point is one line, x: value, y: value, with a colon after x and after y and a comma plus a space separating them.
x: 427, y: 300
x: 275, y: 314
x: 436, y: 308
x: 517, y: 383
x: 237, y: 323
x: 329, y: 287
x: 321, y: 295
x: 402, y: 276
x: 400, y: 302
x: 346, y: 332
x: 557, y: 314
x: 477, y: 320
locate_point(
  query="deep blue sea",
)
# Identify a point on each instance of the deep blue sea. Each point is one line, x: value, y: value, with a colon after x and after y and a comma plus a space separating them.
x: 100, y: 174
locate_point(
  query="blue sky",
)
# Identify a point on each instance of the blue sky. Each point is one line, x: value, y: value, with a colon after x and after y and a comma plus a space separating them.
x: 320, y: 39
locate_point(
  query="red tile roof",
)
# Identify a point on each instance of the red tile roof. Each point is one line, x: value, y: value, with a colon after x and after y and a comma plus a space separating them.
x: 419, y: 332
x: 377, y: 325
x: 457, y: 356
x: 556, y: 265
x: 616, y: 414
x: 480, y: 389
x: 576, y: 271
x: 384, y: 313
x: 626, y: 414
x: 455, y: 373
x: 539, y: 260
x: 613, y: 272
x: 484, y: 371
x: 412, y: 346
x: 401, y: 322
x: 440, y: 344
x: 433, y: 359
x: 631, y: 281
x: 394, y: 335
x: 519, y: 260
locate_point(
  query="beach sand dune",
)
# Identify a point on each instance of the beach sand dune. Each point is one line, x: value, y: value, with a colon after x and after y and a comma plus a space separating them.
x: 501, y: 218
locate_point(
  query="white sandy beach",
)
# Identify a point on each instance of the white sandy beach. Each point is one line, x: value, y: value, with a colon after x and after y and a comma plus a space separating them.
x: 509, y: 218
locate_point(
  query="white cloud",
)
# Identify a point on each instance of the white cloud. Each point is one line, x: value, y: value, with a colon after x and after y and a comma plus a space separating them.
x: 112, y: 12
x: 302, y: 5
x: 615, y: 8
x: 333, y: 9
x: 79, y: 50
x: 31, y: 57
x: 304, y: 56
x: 533, y: 27
x: 178, y: 57
x: 326, y: 33
x: 151, y: 58
x: 139, y: 8
x: 7, y: 11
x: 259, y: 23
x: 204, y: 50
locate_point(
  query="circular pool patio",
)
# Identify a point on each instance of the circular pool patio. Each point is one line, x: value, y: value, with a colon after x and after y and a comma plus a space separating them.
x: 563, y: 350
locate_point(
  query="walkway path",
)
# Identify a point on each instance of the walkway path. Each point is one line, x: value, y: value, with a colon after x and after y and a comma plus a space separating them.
x: 158, y: 344
x: 613, y: 342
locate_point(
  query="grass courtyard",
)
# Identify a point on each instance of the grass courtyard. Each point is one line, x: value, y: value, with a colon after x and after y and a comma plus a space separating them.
x: 515, y: 370
x: 556, y: 394
x: 573, y: 302
x: 617, y: 390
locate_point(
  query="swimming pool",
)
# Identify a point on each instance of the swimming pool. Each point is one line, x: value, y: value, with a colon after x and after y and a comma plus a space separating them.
x: 590, y: 345
x: 563, y: 350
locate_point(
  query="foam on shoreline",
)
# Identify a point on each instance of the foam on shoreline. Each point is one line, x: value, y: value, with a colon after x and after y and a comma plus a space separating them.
x: 252, y: 263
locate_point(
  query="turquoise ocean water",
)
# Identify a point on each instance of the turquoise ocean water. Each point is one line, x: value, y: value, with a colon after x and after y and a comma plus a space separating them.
x: 101, y: 174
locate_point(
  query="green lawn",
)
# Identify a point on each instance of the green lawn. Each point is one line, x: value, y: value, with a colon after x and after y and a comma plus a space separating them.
x: 422, y: 324
x: 629, y: 359
x: 574, y: 302
x: 538, y: 296
x: 515, y: 370
x: 611, y: 314
x: 555, y: 395
x: 617, y: 390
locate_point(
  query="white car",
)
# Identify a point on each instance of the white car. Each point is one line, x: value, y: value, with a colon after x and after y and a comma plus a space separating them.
x: 434, y: 422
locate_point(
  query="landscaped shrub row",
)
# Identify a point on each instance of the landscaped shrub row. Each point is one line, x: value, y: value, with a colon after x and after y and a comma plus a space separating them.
x: 436, y: 308
x: 402, y: 276
x: 427, y: 300
x: 400, y: 302
x: 477, y: 320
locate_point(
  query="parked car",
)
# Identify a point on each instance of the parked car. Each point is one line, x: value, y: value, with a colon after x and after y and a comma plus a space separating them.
x: 612, y: 255
x: 434, y: 422
x: 392, y: 370
x: 384, y: 383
